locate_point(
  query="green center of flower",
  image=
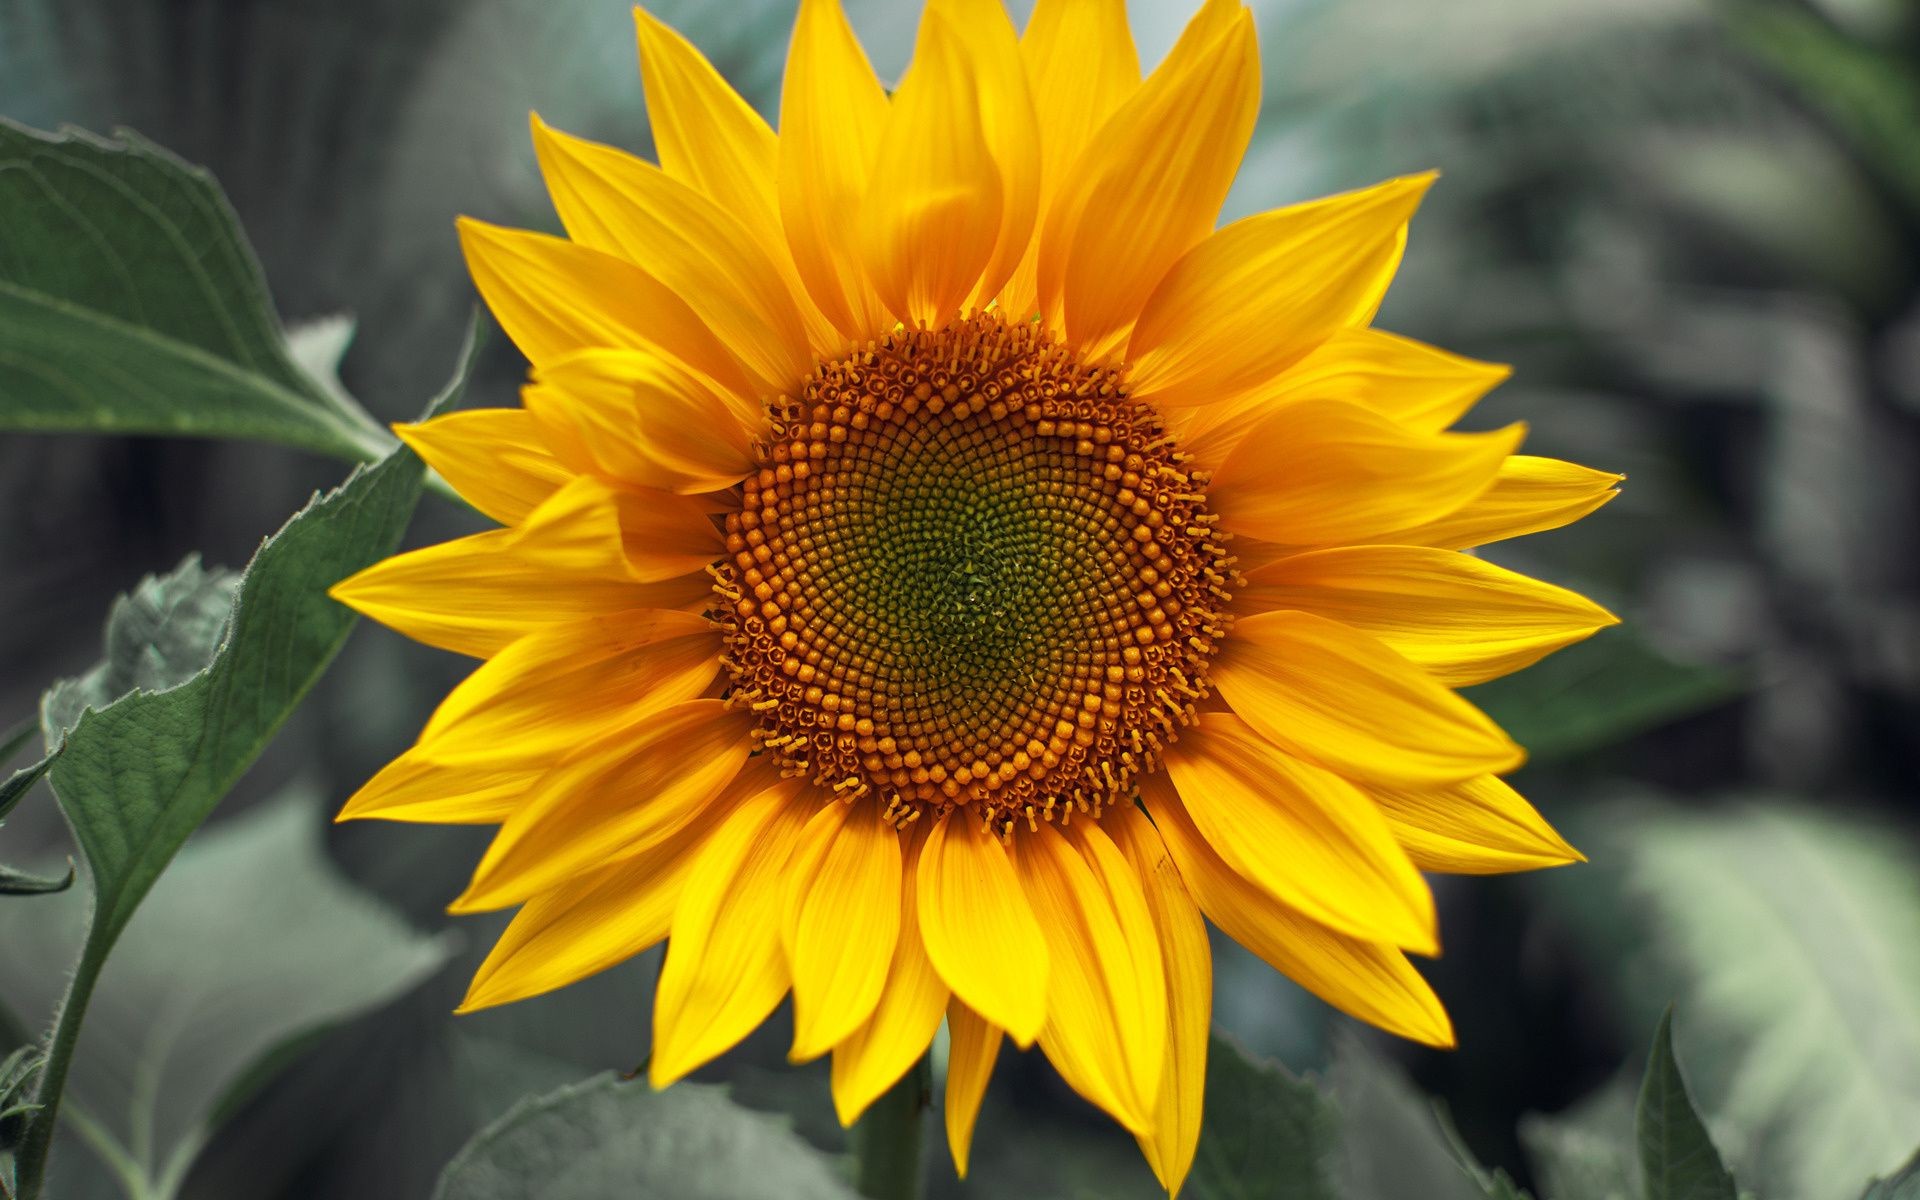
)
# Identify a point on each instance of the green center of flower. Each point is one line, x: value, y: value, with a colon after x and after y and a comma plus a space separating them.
x: 970, y: 571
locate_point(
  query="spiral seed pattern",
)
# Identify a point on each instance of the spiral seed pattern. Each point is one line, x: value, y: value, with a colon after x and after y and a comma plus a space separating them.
x: 970, y: 571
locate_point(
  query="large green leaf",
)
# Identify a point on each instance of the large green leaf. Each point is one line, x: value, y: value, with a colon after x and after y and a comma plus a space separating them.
x: 140, y: 774
x: 249, y: 944
x: 131, y: 303
x: 1791, y: 939
x: 609, y: 1137
x: 1678, y: 1160
x: 1267, y: 1133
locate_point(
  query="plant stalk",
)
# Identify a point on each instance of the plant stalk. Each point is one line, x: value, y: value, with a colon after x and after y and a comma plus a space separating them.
x: 30, y: 1159
x: 886, y: 1141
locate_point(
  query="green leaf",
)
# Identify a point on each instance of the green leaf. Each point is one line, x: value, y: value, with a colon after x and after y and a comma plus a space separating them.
x: 1871, y: 95
x: 1903, y: 1184
x: 1397, y: 1144
x: 1791, y: 936
x: 130, y: 302
x: 609, y: 1137
x: 1678, y: 1160
x: 249, y: 945
x: 1267, y: 1133
x: 17, y: 1073
x: 140, y: 774
x: 16, y: 740
x: 158, y: 636
x: 1587, y: 1152
x: 15, y: 882
x: 1600, y: 692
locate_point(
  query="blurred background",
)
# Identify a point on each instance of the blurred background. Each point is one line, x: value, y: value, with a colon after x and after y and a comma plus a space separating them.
x: 1691, y: 226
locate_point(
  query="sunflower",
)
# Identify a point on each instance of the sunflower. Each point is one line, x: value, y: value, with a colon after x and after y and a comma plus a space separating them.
x: 939, y: 571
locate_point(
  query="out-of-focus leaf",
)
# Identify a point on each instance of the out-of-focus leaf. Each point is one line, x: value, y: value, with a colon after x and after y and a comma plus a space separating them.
x: 1266, y: 1133
x: 139, y: 775
x: 131, y: 303
x: 608, y: 1137
x: 1873, y: 95
x: 1395, y: 1144
x: 1587, y: 1152
x: 16, y: 740
x: 1903, y: 1184
x: 1600, y: 692
x: 1678, y: 1160
x: 250, y: 944
x: 1788, y: 199
x: 1791, y: 937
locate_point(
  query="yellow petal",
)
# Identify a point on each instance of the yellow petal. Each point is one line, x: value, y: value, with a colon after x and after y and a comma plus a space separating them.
x: 1335, y: 696
x: 1106, y: 1030
x: 842, y: 922
x: 658, y: 535
x: 1079, y: 56
x: 1363, y: 979
x: 477, y: 595
x: 832, y: 111
x: 710, y: 139
x: 1420, y: 386
x: 705, y: 135
x: 1260, y: 295
x: 1416, y: 385
x: 587, y: 925
x: 553, y: 297
x: 495, y: 458
x: 537, y: 700
x: 724, y: 971
x: 932, y: 215
x: 1320, y: 472
x: 1182, y: 934
x: 1302, y: 833
x: 1529, y: 495
x: 975, y: 1044
x: 1480, y: 827
x: 1148, y: 188
x: 412, y: 788
x: 978, y: 928
x: 992, y: 54
x: 638, y: 419
x: 611, y: 201
x: 1460, y: 618
x: 875, y: 1056
x: 615, y: 796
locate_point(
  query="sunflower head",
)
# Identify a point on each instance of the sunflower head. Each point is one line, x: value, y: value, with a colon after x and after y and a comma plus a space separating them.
x: 970, y: 572
x: 938, y: 571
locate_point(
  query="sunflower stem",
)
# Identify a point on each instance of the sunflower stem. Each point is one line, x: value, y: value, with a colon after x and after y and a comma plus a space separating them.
x: 886, y: 1141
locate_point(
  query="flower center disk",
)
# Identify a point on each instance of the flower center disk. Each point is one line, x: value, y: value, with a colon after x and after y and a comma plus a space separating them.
x: 970, y: 571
